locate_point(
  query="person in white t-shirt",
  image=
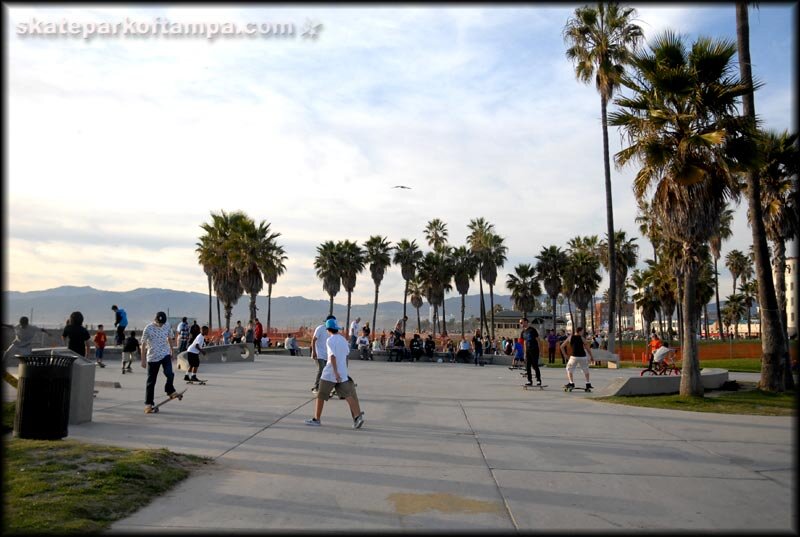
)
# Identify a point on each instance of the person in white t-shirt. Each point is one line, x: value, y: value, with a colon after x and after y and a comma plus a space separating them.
x: 363, y: 345
x: 319, y: 352
x: 193, y: 353
x: 354, y: 326
x: 334, y: 375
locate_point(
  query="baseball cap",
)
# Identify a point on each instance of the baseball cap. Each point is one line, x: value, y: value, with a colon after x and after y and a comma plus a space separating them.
x: 161, y: 317
x: 330, y: 324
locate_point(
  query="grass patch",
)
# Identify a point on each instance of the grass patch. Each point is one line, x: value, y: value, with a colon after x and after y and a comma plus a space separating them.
x: 8, y: 417
x: 750, y: 401
x: 735, y: 365
x: 65, y: 486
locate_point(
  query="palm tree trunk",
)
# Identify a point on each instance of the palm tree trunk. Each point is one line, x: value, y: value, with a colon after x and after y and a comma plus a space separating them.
x: 691, y: 383
x: 491, y: 304
x: 463, y: 306
x: 330, y: 309
x: 435, y: 320
x: 716, y: 290
x: 419, y: 324
x: 705, y: 315
x: 444, y: 318
x: 219, y: 317
x: 375, y: 315
x: 612, y: 252
x: 347, y: 323
x: 592, y: 316
x: 210, y: 317
x: 571, y: 317
x: 554, y: 313
x: 660, y: 323
x: 748, y: 318
x: 253, y: 307
x: 269, y: 307
x: 483, y: 304
x: 228, y: 313
x: 405, y: 298
x: 780, y: 291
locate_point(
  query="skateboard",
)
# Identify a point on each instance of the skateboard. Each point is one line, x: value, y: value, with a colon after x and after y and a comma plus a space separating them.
x: 198, y: 381
x: 512, y: 368
x: 567, y: 388
x: 541, y: 386
x: 179, y: 396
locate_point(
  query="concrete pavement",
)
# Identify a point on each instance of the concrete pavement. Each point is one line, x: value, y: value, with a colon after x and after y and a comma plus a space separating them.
x: 445, y: 447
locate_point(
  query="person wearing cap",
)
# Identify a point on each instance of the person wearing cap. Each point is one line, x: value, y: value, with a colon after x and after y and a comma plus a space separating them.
x: 319, y: 352
x: 157, y: 353
x: 334, y: 375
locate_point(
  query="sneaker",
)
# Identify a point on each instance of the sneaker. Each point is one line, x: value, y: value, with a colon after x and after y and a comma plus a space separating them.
x: 176, y: 395
x: 538, y: 382
x: 187, y: 377
x: 150, y: 409
x: 529, y: 384
x: 123, y: 370
x: 588, y: 386
x: 195, y: 379
x: 313, y: 422
x: 128, y: 369
x: 315, y: 391
x: 101, y: 364
x: 358, y: 421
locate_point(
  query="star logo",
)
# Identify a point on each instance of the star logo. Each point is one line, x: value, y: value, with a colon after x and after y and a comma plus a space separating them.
x: 311, y: 29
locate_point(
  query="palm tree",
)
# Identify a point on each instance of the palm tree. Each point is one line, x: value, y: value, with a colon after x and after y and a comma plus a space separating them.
x: 773, y: 341
x: 478, y: 238
x: 665, y: 287
x: 223, y: 237
x: 207, y: 259
x: 736, y: 262
x: 748, y: 290
x: 585, y: 275
x: 722, y: 232
x: 465, y: 268
x: 352, y: 262
x: 407, y: 254
x: 601, y: 40
x: 253, y: 247
x: 436, y: 234
x: 644, y: 296
x: 495, y: 258
x: 778, y: 178
x: 378, y: 255
x: 648, y: 226
x: 272, y: 266
x: 683, y: 128
x: 627, y: 253
x: 416, y: 290
x: 550, y: 266
x: 737, y: 308
x: 524, y: 288
x: 327, y: 264
x: 433, y: 275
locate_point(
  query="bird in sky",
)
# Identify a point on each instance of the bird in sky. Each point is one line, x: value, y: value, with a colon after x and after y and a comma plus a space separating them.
x: 402, y: 186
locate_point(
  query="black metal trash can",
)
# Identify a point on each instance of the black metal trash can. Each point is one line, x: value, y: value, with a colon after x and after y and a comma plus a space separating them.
x: 43, y: 394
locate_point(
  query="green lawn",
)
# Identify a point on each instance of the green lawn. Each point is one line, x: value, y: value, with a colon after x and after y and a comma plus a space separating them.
x: 741, y: 365
x: 64, y: 486
x: 748, y: 400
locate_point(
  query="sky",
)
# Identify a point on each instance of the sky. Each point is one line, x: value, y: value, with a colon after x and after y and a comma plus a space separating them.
x: 120, y: 146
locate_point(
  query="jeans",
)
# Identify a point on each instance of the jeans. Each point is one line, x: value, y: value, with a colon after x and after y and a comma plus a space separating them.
x: 353, y: 345
x: 152, y: 376
x: 551, y: 355
x: 119, y: 337
x: 532, y: 360
x: 478, y: 355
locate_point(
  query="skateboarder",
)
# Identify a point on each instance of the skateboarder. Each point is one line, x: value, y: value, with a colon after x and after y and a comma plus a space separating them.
x: 157, y: 353
x: 193, y: 354
x: 121, y: 322
x: 578, y: 357
x: 334, y: 375
x: 130, y: 348
x: 530, y: 344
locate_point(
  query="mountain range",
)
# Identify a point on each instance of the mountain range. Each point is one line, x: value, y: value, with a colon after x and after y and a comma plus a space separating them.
x: 50, y: 308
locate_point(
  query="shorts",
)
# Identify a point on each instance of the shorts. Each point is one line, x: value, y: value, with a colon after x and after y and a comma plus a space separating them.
x: 193, y: 358
x: 344, y: 389
x: 98, y: 353
x: 127, y: 356
x: 575, y: 361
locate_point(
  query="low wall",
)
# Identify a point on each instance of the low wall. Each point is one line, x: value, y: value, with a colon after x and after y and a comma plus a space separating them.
x: 661, y: 384
x: 218, y: 354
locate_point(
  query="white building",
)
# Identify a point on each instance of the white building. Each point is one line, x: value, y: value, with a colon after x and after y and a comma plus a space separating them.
x: 791, y: 295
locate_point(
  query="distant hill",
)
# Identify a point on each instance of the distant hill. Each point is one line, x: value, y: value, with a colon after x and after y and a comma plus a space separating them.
x: 52, y: 306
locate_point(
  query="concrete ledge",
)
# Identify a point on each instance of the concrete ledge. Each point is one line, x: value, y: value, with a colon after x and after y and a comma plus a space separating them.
x: 661, y: 385
x: 217, y: 354
x: 606, y: 357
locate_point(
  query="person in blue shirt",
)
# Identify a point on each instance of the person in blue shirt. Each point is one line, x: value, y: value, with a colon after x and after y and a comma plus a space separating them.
x: 121, y: 322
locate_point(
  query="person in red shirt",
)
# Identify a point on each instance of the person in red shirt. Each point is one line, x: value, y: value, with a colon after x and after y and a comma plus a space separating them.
x: 655, y: 344
x: 257, y: 333
x: 99, y: 345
